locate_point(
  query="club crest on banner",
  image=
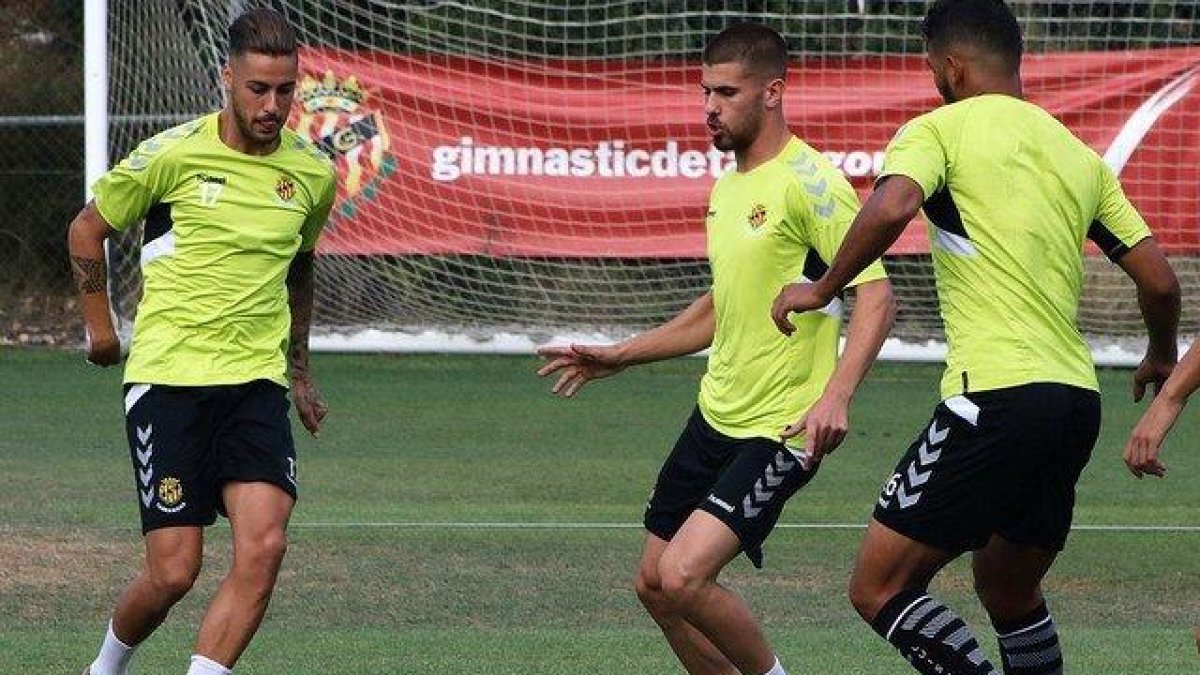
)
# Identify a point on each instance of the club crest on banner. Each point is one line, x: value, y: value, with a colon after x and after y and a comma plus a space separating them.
x: 334, y: 113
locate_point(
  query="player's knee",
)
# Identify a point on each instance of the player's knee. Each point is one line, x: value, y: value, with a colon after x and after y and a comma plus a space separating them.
x: 263, y: 554
x: 173, y: 577
x: 866, y: 597
x: 647, y: 588
x: 272, y: 548
x: 681, y: 587
x: 649, y: 592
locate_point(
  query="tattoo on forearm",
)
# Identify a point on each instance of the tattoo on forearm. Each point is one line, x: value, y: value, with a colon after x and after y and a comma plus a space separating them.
x: 90, y: 274
x: 298, y: 358
x: 300, y: 301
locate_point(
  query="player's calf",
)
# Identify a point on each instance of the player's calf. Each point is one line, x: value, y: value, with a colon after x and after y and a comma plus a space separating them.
x: 930, y: 635
x: 1029, y: 645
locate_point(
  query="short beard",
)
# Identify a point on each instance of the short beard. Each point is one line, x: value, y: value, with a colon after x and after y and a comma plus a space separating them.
x: 246, y: 128
x: 738, y: 143
x: 724, y: 142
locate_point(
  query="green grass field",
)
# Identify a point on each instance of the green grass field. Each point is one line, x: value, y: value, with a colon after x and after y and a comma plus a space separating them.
x: 455, y: 518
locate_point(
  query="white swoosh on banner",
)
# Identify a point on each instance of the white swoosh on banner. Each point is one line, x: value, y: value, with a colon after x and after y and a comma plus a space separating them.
x: 1143, y: 119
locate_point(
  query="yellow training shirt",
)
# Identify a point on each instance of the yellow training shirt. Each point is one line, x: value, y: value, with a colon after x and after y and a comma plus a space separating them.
x: 780, y: 223
x: 222, y: 228
x: 1010, y: 195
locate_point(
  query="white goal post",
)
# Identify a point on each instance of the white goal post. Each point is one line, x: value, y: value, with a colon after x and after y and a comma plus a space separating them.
x: 519, y: 171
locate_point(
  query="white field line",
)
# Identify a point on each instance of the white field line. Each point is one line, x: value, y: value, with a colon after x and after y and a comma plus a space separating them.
x: 550, y: 525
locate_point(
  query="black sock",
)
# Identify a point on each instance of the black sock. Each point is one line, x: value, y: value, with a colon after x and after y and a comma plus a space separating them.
x: 933, y: 639
x: 1029, y: 645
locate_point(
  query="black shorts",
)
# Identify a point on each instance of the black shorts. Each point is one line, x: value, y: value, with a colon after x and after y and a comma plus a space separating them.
x: 186, y: 443
x: 996, y: 462
x: 744, y: 482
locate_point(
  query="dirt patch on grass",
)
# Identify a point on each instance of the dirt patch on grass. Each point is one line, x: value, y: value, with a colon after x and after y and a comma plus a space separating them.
x: 50, y: 560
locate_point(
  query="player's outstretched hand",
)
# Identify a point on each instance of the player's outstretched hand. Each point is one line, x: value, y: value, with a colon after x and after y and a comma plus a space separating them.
x: 1144, y: 444
x: 309, y: 405
x: 824, y: 426
x: 576, y: 364
x: 795, y: 298
x: 103, y: 350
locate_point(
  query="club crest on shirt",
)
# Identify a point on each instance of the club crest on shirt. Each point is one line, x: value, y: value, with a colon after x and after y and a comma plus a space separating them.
x: 757, y: 217
x: 336, y: 114
x: 285, y: 189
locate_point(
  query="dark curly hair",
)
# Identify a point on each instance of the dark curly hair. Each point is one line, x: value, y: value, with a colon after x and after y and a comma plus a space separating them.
x: 985, y: 24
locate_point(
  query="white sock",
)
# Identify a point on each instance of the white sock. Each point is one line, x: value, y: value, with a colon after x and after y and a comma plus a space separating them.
x: 114, y: 656
x: 202, y: 665
x: 776, y: 669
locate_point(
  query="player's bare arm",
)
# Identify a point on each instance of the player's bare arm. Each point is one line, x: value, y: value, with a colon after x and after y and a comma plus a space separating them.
x: 1142, y: 450
x: 1159, y: 299
x: 877, y: 226
x: 309, y: 405
x: 827, y: 422
x: 85, y: 241
x: 687, y: 333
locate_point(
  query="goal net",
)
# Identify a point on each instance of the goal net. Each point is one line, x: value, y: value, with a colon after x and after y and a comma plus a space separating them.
x: 515, y: 170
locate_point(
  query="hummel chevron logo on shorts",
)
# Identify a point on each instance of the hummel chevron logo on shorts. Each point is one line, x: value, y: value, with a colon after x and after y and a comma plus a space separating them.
x: 145, y: 470
x: 767, y: 484
x: 906, y: 487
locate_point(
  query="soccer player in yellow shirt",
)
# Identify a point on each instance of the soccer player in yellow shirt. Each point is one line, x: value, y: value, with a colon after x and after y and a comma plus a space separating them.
x: 770, y: 407
x: 1009, y: 195
x: 233, y: 204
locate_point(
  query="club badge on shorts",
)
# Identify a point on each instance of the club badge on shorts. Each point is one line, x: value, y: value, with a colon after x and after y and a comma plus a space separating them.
x: 170, y: 495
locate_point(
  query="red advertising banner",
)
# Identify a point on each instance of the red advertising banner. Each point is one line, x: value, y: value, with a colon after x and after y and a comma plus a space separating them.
x: 443, y: 155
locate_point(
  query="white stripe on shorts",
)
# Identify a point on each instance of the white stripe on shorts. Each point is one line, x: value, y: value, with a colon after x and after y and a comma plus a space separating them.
x: 964, y: 408
x: 135, y: 393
